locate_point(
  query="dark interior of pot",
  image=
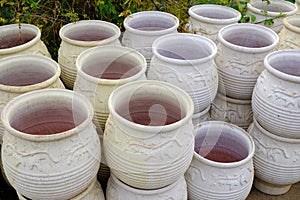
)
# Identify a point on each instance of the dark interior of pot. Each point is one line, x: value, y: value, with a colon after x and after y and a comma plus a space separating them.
x: 288, y: 64
x: 48, y: 117
x: 94, y: 33
x: 220, y: 145
x: 151, y: 22
x: 15, y: 38
x: 213, y: 14
x: 272, y: 7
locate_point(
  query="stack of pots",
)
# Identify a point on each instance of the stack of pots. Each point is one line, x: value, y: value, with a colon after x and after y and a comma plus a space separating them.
x: 276, y: 125
x: 148, y: 141
x: 241, y: 50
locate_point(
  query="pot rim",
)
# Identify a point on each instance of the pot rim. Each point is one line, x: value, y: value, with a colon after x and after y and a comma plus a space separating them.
x: 230, y: 164
x: 293, y: 8
x: 192, y: 12
x: 102, y: 49
x: 96, y: 23
x: 26, y: 97
x: 33, y: 58
x: 27, y: 27
x: 145, y: 128
x: 181, y: 36
x: 264, y: 30
x: 288, y: 23
x: 277, y: 73
x: 232, y: 100
x: 129, y: 18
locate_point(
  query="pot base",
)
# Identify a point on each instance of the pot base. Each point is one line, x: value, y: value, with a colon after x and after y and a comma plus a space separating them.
x: 269, y: 188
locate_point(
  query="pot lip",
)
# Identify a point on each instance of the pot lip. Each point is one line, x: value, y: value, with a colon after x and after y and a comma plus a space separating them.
x: 34, y: 58
x: 287, y: 23
x: 276, y: 72
x: 150, y: 33
x: 181, y: 36
x: 105, y: 24
x: 192, y: 12
x: 231, y: 164
x: 37, y: 94
x: 146, y: 192
x: 150, y: 129
x: 111, y: 81
x: 255, y: 27
x: 202, y: 113
x: 273, y: 136
x: 232, y: 100
x: 28, y: 44
x: 252, y: 8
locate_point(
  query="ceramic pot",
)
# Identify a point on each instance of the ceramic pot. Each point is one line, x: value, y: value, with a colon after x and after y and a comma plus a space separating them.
x: 75, y: 39
x: 222, y: 166
x: 208, y: 19
x: 92, y: 192
x: 297, y: 2
x: 241, y: 50
x: 50, y: 146
x: 235, y: 111
x: 24, y: 73
x: 118, y: 190
x: 276, y: 160
x: 142, y: 28
x: 201, y: 117
x: 274, y: 9
x: 187, y: 61
x: 275, y: 101
x: 23, y: 39
x: 290, y: 35
x: 148, y: 140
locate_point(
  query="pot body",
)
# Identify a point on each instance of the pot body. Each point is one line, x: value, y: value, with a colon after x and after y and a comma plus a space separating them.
x: 275, y: 100
x: 118, y: 190
x: 153, y: 156
x: 187, y: 61
x: 75, y: 39
x: 201, y: 117
x: 213, y: 179
x: 242, y: 48
x: 27, y: 32
x: 290, y: 34
x: 208, y: 19
x: 276, y: 160
x: 44, y: 164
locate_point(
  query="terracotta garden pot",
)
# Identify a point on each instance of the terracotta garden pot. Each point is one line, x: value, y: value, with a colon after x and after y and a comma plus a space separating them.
x: 187, y: 61
x: 290, y: 35
x: 274, y: 9
x: 276, y: 160
x: 275, y: 101
x: 208, y: 19
x: 148, y: 140
x: 23, y: 39
x: 75, y: 39
x: 242, y: 48
x: 50, y: 145
x: 222, y: 166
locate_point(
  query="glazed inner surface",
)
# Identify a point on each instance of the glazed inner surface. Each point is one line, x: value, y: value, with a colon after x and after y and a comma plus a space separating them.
x: 47, y: 118
x: 215, y: 15
x: 24, y: 75
x: 150, y: 111
x: 272, y: 7
x: 15, y: 39
x: 248, y: 38
x: 152, y: 23
x: 289, y: 65
x: 115, y: 69
x: 89, y: 33
x: 220, y: 146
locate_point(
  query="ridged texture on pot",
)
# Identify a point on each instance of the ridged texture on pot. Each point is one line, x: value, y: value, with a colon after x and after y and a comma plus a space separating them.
x: 276, y: 159
x: 70, y: 49
x: 290, y: 34
x: 118, y: 190
x: 34, y: 46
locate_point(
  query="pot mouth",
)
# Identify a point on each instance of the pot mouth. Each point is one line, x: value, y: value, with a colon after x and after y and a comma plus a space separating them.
x: 292, y: 23
x: 111, y: 65
x: 26, y: 34
x: 274, y: 9
x: 284, y: 64
x: 250, y: 38
x: 151, y: 23
x: 99, y: 33
x: 47, y: 115
x: 150, y: 106
x: 184, y: 48
x: 24, y: 73
x: 216, y: 14
x: 222, y: 144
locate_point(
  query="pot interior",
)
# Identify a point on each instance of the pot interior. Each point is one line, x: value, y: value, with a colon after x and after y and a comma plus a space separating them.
x: 13, y: 37
x: 211, y: 13
x: 286, y: 63
x: 272, y: 7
